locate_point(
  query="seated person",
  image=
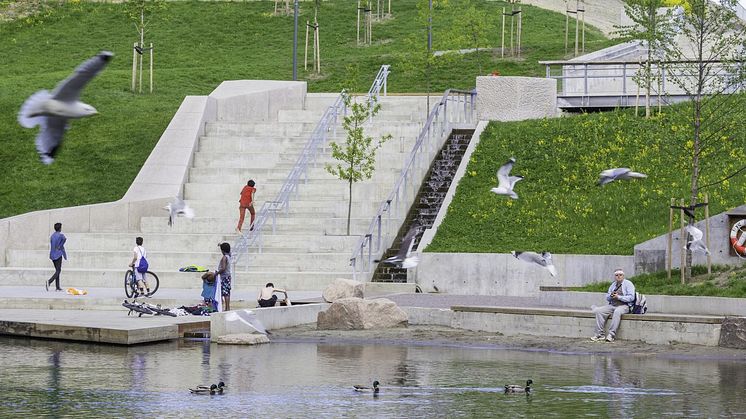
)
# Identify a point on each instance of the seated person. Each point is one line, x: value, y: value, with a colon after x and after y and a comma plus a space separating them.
x: 267, y: 297
x: 208, y: 290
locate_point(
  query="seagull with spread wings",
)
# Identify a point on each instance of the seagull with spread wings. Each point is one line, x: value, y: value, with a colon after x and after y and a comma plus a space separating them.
x: 505, y: 182
x: 544, y: 260
x: 178, y: 207
x: 53, y: 110
x: 696, y: 244
x: 619, y: 173
x: 404, y: 258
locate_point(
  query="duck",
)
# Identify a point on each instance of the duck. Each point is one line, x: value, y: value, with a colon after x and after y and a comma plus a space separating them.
x: 204, y: 389
x: 364, y: 389
x: 221, y: 387
x: 513, y: 388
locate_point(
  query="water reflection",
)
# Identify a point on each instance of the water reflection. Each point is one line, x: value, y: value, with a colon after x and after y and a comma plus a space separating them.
x: 314, y: 380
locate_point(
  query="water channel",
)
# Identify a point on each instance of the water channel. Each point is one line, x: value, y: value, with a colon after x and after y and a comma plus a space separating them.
x: 314, y: 379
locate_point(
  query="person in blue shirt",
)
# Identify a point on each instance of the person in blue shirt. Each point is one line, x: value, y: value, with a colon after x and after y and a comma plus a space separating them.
x: 620, y: 297
x: 56, y: 253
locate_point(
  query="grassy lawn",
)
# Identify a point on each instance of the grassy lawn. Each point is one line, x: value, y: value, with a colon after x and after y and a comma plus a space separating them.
x: 560, y: 209
x: 198, y: 45
x: 723, y: 282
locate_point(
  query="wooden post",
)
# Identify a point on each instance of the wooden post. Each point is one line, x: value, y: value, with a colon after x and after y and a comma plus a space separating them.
x: 318, y: 46
x: 502, y: 44
x: 370, y: 25
x: 151, y: 67
x: 682, y: 241
x: 567, y: 23
x: 520, y: 29
x: 583, y: 19
x: 305, y: 55
x: 358, y: 22
x: 707, y: 233
x: 512, y: 9
x: 389, y: 8
x: 577, y: 4
x: 637, y: 96
x: 134, y: 66
x: 669, y: 255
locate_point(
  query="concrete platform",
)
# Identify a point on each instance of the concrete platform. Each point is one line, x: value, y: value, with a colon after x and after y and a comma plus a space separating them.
x: 98, y: 327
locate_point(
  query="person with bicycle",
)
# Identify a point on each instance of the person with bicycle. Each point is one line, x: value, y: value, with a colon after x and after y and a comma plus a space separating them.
x: 139, y: 258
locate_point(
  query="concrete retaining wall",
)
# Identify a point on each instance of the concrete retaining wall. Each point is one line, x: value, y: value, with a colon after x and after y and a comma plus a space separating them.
x: 271, y: 318
x: 671, y: 304
x: 502, y: 274
x: 574, y: 324
x: 515, y: 98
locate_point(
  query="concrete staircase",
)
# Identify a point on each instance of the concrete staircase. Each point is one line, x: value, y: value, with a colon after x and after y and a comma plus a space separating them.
x: 306, y: 251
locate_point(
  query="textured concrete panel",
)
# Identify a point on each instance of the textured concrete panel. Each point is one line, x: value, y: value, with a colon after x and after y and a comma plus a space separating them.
x: 256, y: 100
x: 515, y: 98
x: 733, y: 333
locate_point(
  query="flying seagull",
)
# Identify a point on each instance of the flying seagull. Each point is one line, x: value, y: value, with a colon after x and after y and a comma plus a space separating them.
x: 248, y: 318
x: 505, y: 182
x: 544, y: 260
x: 619, y: 173
x: 404, y: 258
x: 178, y: 207
x: 696, y: 244
x: 52, y: 110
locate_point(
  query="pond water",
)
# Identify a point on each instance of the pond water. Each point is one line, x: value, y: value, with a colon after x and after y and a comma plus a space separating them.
x: 302, y: 379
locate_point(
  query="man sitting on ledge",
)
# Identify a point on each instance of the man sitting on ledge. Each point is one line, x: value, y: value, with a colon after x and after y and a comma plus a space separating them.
x: 620, y: 297
x: 267, y: 297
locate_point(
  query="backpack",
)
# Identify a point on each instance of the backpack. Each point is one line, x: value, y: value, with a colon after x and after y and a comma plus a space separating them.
x: 142, y: 267
x: 640, y: 305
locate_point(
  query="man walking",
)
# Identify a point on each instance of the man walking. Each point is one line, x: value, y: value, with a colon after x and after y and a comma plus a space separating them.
x: 56, y: 253
x: 620, y: 297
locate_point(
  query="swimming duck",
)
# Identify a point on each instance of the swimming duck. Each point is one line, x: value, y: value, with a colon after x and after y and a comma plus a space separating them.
x: 365, y: 389
x: 221, y: 387
x: 204, y: 389
x: 513, y: 388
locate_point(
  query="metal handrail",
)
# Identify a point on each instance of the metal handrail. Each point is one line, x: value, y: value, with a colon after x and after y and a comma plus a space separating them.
x: 328, y: 122
x: 438, y: 121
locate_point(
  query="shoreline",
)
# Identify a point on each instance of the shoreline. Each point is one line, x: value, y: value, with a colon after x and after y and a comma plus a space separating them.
x: 419, y: 335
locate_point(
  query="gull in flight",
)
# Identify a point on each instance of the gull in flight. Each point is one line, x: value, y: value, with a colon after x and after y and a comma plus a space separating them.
x: 52, y: 110
x: 619, y: 173
x: 696, y: 244
x: 404, y: 258
x: 544, y: 260
x: 505, y: 182
x: 178, y: 207
x: 248, y: 318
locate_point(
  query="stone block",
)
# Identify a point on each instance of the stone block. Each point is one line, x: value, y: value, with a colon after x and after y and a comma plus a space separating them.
x: 343, y: 288
x: 357, y: 314
x: 733, y: 333
x: 515, y: 98
x: 242, y: 339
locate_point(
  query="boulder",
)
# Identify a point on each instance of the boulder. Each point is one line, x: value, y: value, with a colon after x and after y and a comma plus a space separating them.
x: 343, y: 288
x: 242, y: 339
x: 357, y: 314
x: 733, y: 333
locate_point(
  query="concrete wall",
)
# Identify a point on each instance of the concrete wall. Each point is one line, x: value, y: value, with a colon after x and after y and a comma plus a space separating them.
x: 650, y: 256
x: 669, y: 304
x: 503, y: 274
x: 256, y: 100
x: 271, y: 317
x: 515, y: 98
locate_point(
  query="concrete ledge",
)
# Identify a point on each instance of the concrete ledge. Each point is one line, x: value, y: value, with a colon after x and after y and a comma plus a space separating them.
x: 271, y: 318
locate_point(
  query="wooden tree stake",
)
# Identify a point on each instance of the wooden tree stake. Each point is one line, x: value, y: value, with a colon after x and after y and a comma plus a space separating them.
x: 669, y: 254
x: 707, y: 233
x: 682, y: 236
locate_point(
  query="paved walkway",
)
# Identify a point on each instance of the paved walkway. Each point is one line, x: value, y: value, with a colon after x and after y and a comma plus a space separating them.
x: 448, y: 300
x: 603, y: 14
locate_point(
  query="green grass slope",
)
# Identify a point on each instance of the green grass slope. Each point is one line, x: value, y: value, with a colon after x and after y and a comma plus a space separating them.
x: 559, y: 207
x: 198, y: 45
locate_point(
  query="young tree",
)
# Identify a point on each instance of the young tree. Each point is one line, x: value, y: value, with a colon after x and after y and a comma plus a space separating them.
x: 713, y: 46
x: 655, y: 29
x: 357, y: 156
x: 471, y: 27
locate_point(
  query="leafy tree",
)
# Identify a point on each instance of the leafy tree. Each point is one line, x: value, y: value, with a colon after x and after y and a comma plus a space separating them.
x: 655, y: 30
x: 357, y: 156
x: 141, y: 12
x: 713, y: 44
x: 471, y: 27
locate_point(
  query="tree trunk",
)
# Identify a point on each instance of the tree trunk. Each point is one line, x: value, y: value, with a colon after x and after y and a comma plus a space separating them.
x: 349, y: 206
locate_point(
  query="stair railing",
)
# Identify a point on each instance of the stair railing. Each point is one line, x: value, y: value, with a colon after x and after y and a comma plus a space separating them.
x: 456, y: 106
x: 299, y: 172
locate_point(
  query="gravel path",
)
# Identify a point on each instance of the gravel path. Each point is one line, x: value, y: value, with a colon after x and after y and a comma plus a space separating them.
x: 603, y: 14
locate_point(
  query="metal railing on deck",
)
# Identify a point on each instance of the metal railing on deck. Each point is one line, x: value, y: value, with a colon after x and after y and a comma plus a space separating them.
x: 299, y: 172
x: 456, y: 106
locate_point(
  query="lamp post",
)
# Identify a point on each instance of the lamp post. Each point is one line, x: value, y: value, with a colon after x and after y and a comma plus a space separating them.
x: 429, y: 51
x: 295, y: 43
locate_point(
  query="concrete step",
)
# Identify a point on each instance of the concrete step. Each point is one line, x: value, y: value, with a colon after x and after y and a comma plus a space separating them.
x: 298, y: 208
x: 331, y: 188
x: 283, y: 161
x: 375, y: 129
x: 165, y: 261
x: 240, y: 175
x: 329, y: 226
x: 114, y: 278
x: 287, y: 146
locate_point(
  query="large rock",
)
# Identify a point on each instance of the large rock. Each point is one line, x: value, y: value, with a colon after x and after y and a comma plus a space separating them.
x: 242, y: 339
x: 733, y: 333
x: 343, y: 288
x: 357, y: 314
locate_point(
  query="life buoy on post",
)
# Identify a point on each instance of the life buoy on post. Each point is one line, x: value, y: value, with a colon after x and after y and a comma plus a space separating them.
x: 739, y: 242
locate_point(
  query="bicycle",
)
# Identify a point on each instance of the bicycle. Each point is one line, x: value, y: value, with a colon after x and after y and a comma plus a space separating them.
x: 130, y: 284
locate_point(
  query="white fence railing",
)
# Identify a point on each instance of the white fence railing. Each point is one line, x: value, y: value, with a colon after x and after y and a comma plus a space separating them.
x: 299, y: 172
x: 456, y: 106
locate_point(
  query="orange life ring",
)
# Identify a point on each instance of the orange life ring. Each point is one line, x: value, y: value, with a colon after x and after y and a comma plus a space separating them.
x: 739, y: 243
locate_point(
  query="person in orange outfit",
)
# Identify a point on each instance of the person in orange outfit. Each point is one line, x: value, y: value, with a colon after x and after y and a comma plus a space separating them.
x: 246, y: 203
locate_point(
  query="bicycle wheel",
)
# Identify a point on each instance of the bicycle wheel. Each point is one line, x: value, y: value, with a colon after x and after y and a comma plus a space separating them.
x: 129, y: 289
x: 152, y: 280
